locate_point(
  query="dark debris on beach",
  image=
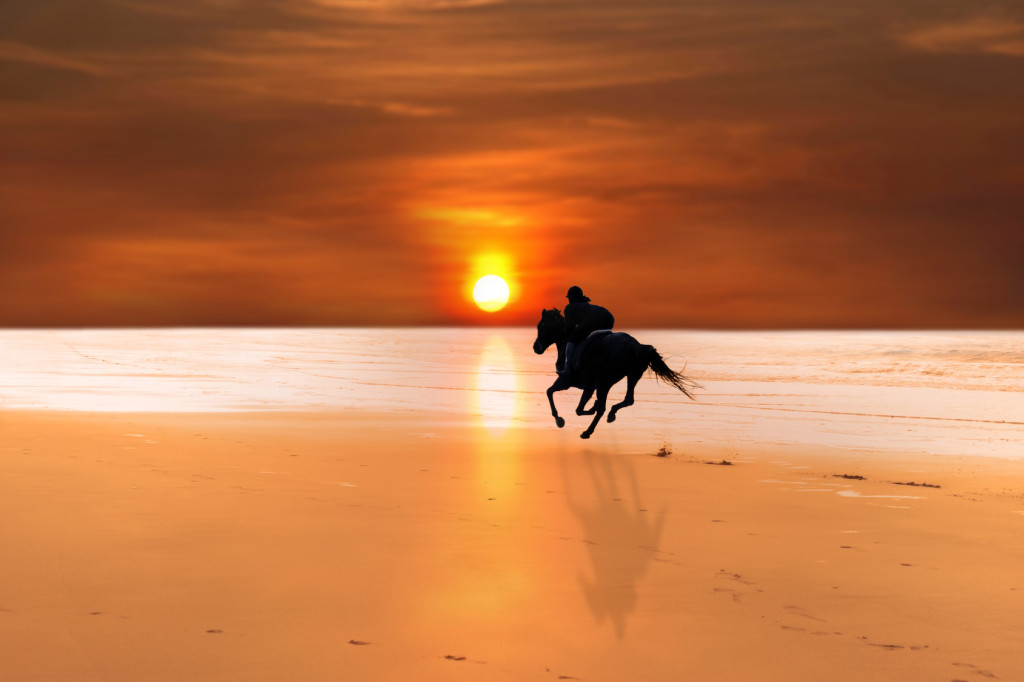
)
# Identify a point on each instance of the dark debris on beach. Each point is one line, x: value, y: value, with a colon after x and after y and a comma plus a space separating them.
x: 919, y: 485
x: 851, y: 477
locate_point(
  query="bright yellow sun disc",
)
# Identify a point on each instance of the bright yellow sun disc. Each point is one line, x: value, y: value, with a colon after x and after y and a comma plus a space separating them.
x: 490, y: 293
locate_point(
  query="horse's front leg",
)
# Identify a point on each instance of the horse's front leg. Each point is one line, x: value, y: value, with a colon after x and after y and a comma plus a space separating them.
x: 560, y: 385
x: 599, y: 404
x: 587, y: 392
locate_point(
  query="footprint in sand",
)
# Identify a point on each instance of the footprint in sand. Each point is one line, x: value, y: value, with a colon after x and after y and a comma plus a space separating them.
x: 975, y: 670
x: 726, y: 590
x: 722, y: 573
x: 799, y: 611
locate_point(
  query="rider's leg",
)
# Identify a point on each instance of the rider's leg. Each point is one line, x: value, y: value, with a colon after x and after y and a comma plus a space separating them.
x: 569, y: 347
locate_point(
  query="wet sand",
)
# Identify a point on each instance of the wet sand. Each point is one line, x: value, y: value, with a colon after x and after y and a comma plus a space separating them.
x: 346, y: 545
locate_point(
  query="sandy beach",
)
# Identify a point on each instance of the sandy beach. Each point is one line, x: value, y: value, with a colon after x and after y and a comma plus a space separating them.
x: 370, y: 544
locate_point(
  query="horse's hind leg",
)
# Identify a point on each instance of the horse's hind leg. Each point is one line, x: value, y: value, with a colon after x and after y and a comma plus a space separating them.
x: 631, y: 382
x: 587, y: 392
x: 599, y: 405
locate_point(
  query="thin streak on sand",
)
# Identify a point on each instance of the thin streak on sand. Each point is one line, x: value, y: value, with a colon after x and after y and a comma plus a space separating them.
x: 854, y: 493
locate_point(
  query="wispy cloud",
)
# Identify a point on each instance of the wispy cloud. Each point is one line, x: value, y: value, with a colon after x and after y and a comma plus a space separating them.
x: 19, y: 52
x: 390, y: 5
x: 980, y: 34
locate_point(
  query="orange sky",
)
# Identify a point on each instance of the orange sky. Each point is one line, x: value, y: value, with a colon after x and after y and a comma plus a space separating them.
x: 689, y: 164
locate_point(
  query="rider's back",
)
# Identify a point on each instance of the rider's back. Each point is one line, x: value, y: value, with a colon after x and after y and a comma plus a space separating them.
x: 589, y: 317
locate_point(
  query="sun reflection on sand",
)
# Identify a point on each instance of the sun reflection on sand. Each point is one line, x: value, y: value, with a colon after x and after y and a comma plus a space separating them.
x: 497, y: 385
x: 496, y: 404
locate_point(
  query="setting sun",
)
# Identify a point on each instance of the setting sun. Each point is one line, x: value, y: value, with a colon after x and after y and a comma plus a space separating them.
x: 490, y: 293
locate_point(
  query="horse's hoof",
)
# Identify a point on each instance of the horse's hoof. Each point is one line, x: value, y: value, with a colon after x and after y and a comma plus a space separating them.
x: 560, y: 422
x: 611, y: 417
x: 585, y: 435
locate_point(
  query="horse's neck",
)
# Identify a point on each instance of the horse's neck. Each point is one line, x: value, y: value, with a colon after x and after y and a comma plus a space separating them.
x: 560, y: 346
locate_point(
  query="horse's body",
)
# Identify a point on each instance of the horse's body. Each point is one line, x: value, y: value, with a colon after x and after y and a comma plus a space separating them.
x: 605, y: 359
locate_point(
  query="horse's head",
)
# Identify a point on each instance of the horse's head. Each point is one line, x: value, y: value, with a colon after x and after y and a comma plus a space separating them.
x: 550, y: 328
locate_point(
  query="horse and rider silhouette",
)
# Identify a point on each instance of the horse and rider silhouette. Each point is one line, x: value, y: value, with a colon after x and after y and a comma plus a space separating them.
x: 593, y: 358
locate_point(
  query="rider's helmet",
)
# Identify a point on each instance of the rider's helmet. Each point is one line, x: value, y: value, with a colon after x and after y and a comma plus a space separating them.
x: 575, y: 294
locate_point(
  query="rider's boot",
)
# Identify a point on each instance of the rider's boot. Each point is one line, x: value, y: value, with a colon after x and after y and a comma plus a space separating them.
x: 567, y: 363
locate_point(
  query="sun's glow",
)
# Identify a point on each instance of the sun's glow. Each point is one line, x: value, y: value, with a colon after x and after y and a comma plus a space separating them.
x: 491, y: 293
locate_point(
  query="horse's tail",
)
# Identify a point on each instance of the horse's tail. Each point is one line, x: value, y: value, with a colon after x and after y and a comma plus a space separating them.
x: 670, y: 376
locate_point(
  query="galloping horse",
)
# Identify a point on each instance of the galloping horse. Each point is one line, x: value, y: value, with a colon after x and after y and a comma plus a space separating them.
x: 605, y: 359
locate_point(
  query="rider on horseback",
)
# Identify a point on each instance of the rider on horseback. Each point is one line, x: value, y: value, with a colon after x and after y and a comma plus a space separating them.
x: 583, y: 318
